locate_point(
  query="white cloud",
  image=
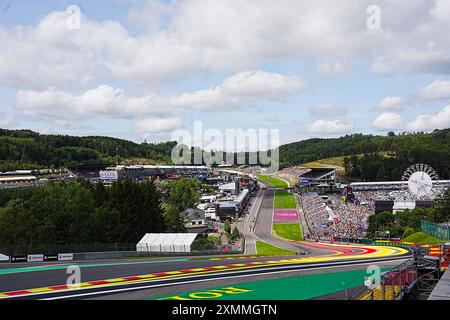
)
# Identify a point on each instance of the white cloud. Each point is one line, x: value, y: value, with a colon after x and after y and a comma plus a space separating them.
x: 442, y: 10
x: 262, y: 85
x: 388, y: 121
x: 272, y: 119
x: 241, y: 90
x: 328, y: 110
x: 199, y: 35
x: 7, y: 121
x: 427, y: 122
x: 157, y: 125
x: 334, y: 68
x: 437, y: 90
x: 412, y: 61
x: 323, y: 127
x: 391, y: 104
x: 104, y: 101
x: 52, y: 54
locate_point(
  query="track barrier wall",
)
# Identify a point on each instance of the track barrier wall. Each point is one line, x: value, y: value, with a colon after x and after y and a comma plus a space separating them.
x: 105, y: 251
x: 435, y: 230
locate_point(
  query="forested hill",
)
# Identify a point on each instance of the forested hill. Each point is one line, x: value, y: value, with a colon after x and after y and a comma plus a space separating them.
x: 367, y: 157
x: 406, y: 149
x: 25, y: 149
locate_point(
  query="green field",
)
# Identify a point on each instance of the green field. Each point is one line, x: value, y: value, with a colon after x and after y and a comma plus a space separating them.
x: 284, y: 200
x: 421, y: 237
x: 338, y: 162
x: 277, y: 183
x: 265, y: 249
x: 290, y: 231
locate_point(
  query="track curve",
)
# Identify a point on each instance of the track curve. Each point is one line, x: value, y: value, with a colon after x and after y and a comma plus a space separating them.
x: 215, y: 269
x: 103, y: 279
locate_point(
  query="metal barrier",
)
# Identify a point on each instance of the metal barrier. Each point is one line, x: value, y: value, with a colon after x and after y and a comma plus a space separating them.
x: 91, y: 249
x: 414, y: 278
x: 396, y: 284
x: 435, y: 230
x: 24, y: 249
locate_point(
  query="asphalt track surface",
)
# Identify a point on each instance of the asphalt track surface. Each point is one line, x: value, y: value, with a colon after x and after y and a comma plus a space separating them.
x: 100, y: 280
x: 264, y: 226
x: 141, y: 278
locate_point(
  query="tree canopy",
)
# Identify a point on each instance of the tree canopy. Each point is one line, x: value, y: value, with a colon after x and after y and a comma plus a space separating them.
x: 25, y: 149
x: 79, y: 212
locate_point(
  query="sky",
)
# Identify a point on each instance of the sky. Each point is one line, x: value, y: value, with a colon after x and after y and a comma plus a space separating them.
x: 155, y: 70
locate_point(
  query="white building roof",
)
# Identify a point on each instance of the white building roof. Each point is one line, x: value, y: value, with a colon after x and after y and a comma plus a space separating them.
x: 228, y: 186
x: 242, y: 196
x: 9, y: 179
x: 166, y: 242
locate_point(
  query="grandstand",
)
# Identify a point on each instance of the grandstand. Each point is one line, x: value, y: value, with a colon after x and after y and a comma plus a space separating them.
x: 395, y: 196
x: 387, y: 186
x: 317, y: 176
x: 14, y: 180
x: 330, y: 216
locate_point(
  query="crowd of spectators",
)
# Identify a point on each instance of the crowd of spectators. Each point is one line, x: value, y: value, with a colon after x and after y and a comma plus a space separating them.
x: 391, y: 193
x: 352, y: 219
x: 291, y: 174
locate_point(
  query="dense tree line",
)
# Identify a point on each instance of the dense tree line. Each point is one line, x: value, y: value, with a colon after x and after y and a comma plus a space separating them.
x: 365, y: 155
x: 81, y: 212
x: 404, y: 223
x: 365, y: 158
x: 20, y: 149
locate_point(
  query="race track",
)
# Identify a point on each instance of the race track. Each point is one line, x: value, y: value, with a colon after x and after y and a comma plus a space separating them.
x: 140, y: 278
x: 103, y: 279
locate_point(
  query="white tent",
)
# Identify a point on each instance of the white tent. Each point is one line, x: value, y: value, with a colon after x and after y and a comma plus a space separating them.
x: 331, y: 215
x: 403, y: 205
x: 229, y: 187
x: 166, y: 242
x: 3, y: 257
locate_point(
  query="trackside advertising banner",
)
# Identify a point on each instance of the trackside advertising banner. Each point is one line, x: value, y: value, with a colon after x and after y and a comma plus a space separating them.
x: 3, y: 257
x: 65, y: 257
x: 50, y: 257
x: 35, y: 258
x: 39, y: 257
x: 17, y: 259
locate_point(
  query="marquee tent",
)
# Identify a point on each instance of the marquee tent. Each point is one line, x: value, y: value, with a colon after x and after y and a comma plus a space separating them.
x: 166, y: 242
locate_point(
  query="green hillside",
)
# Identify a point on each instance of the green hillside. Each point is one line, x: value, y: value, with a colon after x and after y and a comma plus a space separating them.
x: 361, y: 157
x: 420, y: 237
x: 25, y: 149
x: 373, y: 158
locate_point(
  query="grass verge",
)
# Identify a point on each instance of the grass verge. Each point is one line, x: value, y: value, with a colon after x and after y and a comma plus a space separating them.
x: 277, y: 183
x: 265, y: 249
x: 421, y: 237
x: 284, y: 200
x: 290, y: 231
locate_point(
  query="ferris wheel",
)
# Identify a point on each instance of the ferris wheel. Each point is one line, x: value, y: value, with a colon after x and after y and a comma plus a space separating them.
x: 420, y: 179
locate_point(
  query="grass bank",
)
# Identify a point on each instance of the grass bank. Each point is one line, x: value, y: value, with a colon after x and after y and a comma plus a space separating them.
x: 421, y: 237
x: 290, y: 231
x: 265, y: 249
